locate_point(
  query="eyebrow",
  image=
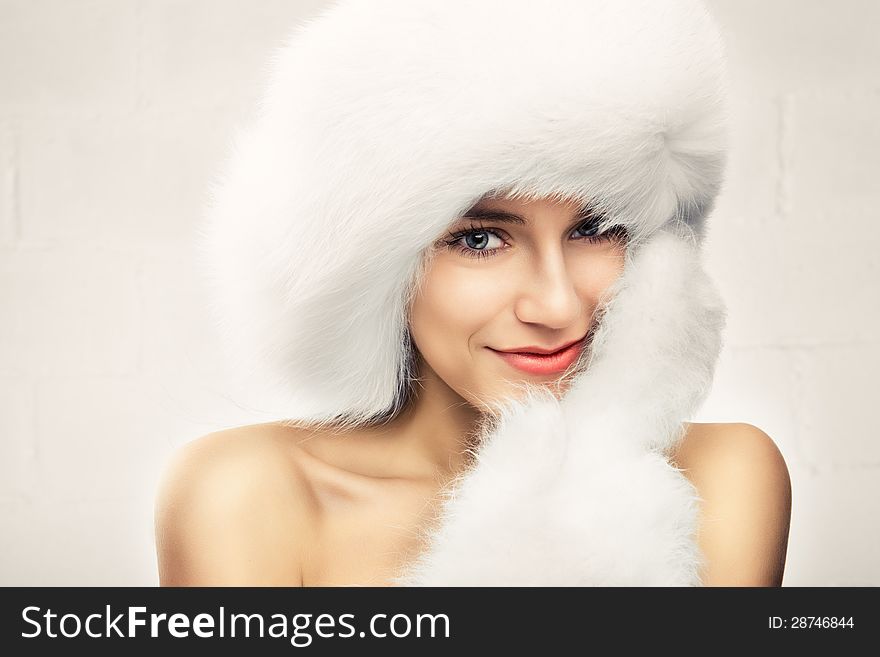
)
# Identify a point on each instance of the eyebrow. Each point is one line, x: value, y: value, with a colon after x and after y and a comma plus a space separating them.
x: 494, y: 215
x: 511, y: 218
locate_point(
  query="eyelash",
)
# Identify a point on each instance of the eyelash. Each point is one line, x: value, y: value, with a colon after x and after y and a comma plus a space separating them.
x: 606, y: 236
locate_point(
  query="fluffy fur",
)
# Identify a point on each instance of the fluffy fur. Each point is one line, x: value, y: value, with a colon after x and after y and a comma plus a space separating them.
x: 384, y: 120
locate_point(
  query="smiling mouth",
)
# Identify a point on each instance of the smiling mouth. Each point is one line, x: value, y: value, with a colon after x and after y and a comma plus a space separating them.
x: 543, y: 364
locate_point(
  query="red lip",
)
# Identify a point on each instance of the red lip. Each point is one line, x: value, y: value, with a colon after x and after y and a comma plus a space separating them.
x: 538, y: 350
x: 541, y: 364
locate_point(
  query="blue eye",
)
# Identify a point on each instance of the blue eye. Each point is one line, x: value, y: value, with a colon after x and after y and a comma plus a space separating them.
x: 473, y: 242
x: 589, y: 226
x: 479, y: 240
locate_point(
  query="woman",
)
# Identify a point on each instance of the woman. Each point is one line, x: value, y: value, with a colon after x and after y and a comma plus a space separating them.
x: 430, y: 194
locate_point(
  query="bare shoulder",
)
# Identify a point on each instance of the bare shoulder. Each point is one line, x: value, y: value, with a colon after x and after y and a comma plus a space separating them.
x: 715, y: 444
x: 233, y: 508
x: 745, y: 490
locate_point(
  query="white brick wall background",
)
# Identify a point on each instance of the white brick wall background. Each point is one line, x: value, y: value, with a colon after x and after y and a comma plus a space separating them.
x: 113, y: 115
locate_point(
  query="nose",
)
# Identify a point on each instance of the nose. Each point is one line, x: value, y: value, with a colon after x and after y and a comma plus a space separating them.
x: 549, y: 295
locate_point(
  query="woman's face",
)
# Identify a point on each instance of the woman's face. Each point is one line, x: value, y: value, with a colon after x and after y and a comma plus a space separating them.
x: 511, y: 274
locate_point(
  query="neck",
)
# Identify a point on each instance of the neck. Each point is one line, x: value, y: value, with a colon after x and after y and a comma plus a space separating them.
x: 435, y: 429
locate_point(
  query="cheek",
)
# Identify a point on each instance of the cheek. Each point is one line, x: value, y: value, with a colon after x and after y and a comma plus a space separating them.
x: 596, y: 273
x: 453, y: 304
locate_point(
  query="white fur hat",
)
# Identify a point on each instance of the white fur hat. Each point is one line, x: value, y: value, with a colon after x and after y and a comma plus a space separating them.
x: 385, y: 120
